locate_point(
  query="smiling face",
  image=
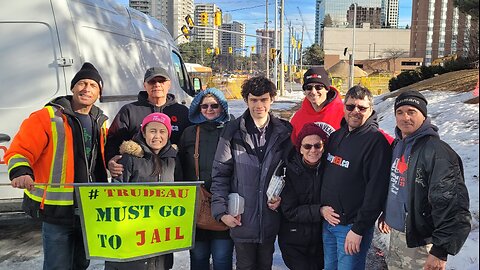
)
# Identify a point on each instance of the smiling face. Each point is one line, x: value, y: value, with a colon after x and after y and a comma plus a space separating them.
x: 408, y: 119
x: 316, y: 93
x: 312, y: 149
x: 156, y: 136
x: 85, y: 93
x: 210, y: 108
x: 259, y: 106
x: 357, y: 111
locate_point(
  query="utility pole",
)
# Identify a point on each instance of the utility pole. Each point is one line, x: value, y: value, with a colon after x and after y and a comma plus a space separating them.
x: 275, y: 38
x: 267, y: 40
x: 289, y: 50
x: 352, y: 55
x: 301, y: 49
x: 282, y: 47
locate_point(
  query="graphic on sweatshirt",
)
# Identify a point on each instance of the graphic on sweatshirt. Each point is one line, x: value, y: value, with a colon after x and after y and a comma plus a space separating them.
x: 397, y: 175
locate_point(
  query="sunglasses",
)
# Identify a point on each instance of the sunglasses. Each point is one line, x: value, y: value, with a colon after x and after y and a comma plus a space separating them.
x: 351, y: 107
x: 154, y: 81
x: 213, y: 106
x: 310, y: 87
x: 308, y: 146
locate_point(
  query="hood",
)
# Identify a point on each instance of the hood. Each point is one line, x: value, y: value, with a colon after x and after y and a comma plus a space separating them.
x: 65, y: 104
x: 194, y: 114
x: 143, y: 98
x: 332, y: 97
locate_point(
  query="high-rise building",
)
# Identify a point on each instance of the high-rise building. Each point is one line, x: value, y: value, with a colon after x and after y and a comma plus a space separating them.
x: 170, y: 12
x: 439, y: 29
x: 334, y: 13
x: 235, y: 41
x: 206, y: 35
x: 390, y: 13
x: 262, y: 43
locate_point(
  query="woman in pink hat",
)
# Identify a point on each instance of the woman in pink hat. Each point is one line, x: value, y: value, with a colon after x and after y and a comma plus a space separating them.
x: 148, y: 157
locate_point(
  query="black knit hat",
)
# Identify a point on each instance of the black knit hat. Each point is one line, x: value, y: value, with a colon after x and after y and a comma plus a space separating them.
x: 412, y: 98
x: 316, y: 75
x: 88, y: 71
x: 311, y: 129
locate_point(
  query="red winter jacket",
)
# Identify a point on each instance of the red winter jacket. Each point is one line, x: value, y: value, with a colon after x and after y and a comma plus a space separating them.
x: 331, y: 114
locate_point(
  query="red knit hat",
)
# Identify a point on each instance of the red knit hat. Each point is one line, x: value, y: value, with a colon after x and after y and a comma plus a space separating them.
x: 311, y: 129
x: 160, y: 118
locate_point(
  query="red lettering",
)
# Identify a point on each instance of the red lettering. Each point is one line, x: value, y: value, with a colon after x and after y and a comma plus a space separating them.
x: 122, y: 192
x: 183, y: 193
x: 171, y: 193
x: 177, y: 234
x: 167, y: 234
x: 155, y: 237
x: 142, y: 238
x: 109, y: 192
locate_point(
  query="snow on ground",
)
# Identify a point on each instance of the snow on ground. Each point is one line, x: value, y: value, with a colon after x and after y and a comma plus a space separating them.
x: 459, y: 126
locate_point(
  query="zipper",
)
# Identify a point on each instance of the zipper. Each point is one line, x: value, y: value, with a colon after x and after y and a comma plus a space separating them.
x: 89, y: 177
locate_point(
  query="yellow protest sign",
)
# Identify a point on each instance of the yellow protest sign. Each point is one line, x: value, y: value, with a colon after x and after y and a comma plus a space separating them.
x: 123, y: 222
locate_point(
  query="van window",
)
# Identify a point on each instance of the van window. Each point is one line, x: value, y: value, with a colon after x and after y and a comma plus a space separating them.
x: 182, y: 75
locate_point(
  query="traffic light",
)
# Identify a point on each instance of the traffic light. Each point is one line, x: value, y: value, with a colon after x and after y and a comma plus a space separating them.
x: 189, y: 21
x: 204, y: 18
x: 252, y: 49
x: 273, y: 53
x: 230, y: 50
x: 209, y: 51
x: 218, y: 18
x: 186, y: 32
x: 217, y: 51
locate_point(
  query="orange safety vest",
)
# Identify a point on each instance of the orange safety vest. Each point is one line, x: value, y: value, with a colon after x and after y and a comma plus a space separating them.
x: 45, y: 144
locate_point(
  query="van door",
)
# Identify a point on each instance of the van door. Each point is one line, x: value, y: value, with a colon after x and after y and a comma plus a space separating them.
x: 30, y: 74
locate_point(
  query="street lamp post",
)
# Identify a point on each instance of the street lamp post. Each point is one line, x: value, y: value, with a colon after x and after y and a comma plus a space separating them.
x: 352, y: 55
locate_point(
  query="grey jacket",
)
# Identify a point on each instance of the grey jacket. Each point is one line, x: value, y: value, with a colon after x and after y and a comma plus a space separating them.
x: 236, y: 168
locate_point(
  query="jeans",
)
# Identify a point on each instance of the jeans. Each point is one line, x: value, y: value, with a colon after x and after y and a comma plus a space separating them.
x: 221, y: 251
x: 63, y: 247
x: 334, y: 250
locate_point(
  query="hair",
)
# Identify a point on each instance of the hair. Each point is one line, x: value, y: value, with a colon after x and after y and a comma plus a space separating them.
x: 359, y: 92
x: 258, y: 86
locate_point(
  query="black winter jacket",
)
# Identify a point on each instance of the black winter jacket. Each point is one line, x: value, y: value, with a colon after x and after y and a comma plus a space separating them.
x: 438, y: 199
x: 128, y: 120
x: 236, y: 168
x: 356, y: 175
x: 301, y: 223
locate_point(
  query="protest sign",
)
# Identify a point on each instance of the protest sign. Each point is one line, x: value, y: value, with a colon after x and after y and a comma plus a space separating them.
x: 125, y: 221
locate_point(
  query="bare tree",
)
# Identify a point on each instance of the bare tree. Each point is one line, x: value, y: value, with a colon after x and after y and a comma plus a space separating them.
x: 394, y: 54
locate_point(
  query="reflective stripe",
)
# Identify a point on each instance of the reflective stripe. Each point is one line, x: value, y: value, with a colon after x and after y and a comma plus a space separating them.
x: 58, y: 167
x: 16, y: 161
x: 52, y: 196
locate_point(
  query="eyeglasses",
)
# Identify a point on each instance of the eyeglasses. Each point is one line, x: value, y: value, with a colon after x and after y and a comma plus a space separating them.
x: 308, y: 146
x: 309, y: 87
x: 213, y: 106
x: 154, y: 81
x: 351, y: 107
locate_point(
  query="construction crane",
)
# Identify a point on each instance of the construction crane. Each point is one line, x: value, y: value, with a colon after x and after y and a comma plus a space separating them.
x: 305, y: 26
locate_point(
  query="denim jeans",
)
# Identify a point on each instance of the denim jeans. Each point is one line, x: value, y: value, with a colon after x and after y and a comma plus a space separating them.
x: 221, y: 251
x: 334, y: 250
x: 63, y: 247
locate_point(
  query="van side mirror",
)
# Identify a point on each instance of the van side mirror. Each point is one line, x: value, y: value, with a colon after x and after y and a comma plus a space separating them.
x: 197, y: 85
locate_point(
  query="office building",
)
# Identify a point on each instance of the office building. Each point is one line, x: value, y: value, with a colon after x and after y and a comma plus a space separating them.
x: 262, y: 42
x: 235, y: 41
x: 439, y: 30
x: 389, y: 14
x: 209, y: 36
x: 171, y: 13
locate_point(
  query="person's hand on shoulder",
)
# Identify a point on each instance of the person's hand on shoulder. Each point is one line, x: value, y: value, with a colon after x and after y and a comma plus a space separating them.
x: 116, y: 169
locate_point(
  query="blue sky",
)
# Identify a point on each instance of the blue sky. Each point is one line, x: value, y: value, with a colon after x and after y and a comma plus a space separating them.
x: 252, y: 13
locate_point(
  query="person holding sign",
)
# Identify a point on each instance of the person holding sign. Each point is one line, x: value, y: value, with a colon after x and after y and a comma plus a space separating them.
x: 55, y: 147
x: 196, y: 150
x: 148, y: 157
x: 300, y: 236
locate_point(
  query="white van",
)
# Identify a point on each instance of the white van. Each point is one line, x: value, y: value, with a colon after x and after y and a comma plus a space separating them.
x: 43, y: 43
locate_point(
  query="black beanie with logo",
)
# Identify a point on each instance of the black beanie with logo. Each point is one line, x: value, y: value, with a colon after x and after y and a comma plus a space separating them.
x: 412, y: 98
x: 88, y: 71
x: 316, y: 75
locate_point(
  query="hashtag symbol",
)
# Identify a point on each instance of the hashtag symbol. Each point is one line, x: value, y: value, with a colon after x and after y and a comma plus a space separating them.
x: 93, y: 194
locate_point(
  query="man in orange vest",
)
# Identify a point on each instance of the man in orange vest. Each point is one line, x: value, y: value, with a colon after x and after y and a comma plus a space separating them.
x: 55, y: 147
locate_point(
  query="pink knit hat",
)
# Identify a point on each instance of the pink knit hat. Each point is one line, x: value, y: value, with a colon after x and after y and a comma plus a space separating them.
x: 160, y: 118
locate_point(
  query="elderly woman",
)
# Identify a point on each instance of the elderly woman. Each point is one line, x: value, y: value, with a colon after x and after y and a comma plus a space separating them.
x: 208, y: 112
x: 148, y: 157
x: 300, y: 236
